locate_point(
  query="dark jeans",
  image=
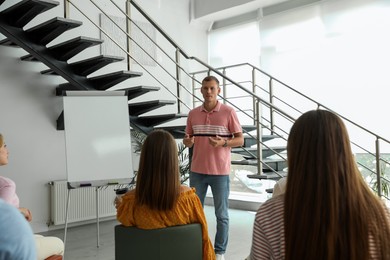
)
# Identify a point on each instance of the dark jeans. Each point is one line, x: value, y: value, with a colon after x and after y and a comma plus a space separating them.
x: 220, y: 188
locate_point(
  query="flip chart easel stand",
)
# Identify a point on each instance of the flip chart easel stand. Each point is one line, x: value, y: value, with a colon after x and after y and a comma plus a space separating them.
x: 97, y: 215
x: 97, y: 142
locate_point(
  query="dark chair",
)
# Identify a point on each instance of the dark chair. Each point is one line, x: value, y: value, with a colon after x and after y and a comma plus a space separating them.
x: 171, y: 243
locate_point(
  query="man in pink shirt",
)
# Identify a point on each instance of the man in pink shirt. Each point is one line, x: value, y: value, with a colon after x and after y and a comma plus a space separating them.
x: 212, y: 129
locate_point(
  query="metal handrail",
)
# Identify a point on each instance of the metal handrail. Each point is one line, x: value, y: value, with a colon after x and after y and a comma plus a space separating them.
x: 257, y: 100
x: 155, y: 25
x: 127, y: 53
x: 319, y: 105
x: 179, y: 68
x: 297, y: 92
x: 167, y: 37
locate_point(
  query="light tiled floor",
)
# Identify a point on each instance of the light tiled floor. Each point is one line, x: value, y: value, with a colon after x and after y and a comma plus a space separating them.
x: 82, y: 241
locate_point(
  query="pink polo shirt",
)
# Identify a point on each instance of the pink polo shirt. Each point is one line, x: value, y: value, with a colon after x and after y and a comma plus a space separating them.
x: 221, y: 121
x: 8, y: 191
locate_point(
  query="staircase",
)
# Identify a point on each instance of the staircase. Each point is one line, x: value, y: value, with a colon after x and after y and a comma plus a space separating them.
x: 36, y: 40
x: 56, y: 57
x: 265, y: 140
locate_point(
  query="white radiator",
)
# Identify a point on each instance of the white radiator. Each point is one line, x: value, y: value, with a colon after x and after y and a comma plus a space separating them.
x: 82, y: 203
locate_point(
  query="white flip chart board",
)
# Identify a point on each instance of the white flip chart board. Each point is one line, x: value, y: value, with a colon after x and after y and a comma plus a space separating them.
x: 97, y: 138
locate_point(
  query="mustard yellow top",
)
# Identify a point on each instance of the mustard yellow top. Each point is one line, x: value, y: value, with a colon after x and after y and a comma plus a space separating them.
x: 188, y: 209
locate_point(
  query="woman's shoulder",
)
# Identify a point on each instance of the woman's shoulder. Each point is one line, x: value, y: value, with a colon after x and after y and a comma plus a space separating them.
x: 273, y: 206
x: 129, y: 195
x: 4, y: 181
x: 185, y: 188
x: 187, y: 193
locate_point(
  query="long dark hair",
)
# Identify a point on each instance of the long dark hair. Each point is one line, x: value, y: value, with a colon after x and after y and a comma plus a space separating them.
x: 329, y: 209
x: 158, y: 181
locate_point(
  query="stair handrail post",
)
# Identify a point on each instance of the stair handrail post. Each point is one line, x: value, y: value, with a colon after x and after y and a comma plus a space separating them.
x: 271, y: 101
x: 224, y: 85
x: 128, y: 31
x: 66, y: 9
x: 193, y: 90
x: 259, y: 134
x: 253, y: 97
x: 378, y: 167
x: 178, y: 78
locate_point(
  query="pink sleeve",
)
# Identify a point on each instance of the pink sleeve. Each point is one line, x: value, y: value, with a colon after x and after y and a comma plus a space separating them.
x: 189, y: 125
x: 8, y: 191
x: 234, y: 123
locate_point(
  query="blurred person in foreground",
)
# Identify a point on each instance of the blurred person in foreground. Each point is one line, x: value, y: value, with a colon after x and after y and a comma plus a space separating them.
x: 46, y: 246
x: 328, y: 211
x: 16, y: 236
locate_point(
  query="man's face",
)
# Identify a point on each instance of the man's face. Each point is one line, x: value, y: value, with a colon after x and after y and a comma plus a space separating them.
x: 210, y: 91
x: 3, y: 155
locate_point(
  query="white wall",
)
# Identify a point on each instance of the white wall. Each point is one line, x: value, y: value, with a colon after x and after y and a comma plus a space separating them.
x: 173, y: 17
x: 28, y: 115
x: 29, y: 107
x: 337, y: 53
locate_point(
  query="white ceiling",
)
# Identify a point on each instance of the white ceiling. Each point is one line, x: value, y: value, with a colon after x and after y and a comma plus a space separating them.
x: 238, y: 9
x: 217, y: 10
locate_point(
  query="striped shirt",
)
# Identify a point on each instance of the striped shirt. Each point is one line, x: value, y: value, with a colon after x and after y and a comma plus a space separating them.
x: 222, y: 121
x: 268, y: 240
x: 268, y: 231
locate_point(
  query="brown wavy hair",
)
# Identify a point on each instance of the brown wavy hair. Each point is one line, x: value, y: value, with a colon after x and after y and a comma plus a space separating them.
x: 329, y: 209
x: 158, y: 180
x: 1, y: 140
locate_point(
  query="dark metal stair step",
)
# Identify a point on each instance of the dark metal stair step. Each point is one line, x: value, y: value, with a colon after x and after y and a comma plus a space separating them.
x: 248, y: 128
x: 106, y: 81
x: 45, y: 32
x: 23, y: 12
x: 137, y: 91
x: 268, y: 176
x: 60, y: 90
x: 251, y: 140
x: 49, y: 72
x: 266, y: 152
x: 275, y: 164
x: 66, y: 50
x: 28, y: 57
x: 150, y: 121
x: 47, y: 55
x: 132, y: 92
x: 102, y: 82
x: 8, y: 42
x: 136, y: 109
x: 88, y: 66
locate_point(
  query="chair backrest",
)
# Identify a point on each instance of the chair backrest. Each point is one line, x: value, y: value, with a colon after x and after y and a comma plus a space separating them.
x: 171, y: 243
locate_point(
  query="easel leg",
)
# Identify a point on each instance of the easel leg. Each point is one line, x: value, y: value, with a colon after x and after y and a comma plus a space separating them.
x: 97, y: 216
x: 66, y: 221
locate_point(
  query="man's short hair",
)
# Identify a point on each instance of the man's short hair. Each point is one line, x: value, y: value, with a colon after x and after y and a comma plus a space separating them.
x: 210, y: 78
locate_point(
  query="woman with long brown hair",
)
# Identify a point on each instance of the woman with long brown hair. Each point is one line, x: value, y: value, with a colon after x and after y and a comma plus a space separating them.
x: 328, y: 211
x: 159, y: 200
